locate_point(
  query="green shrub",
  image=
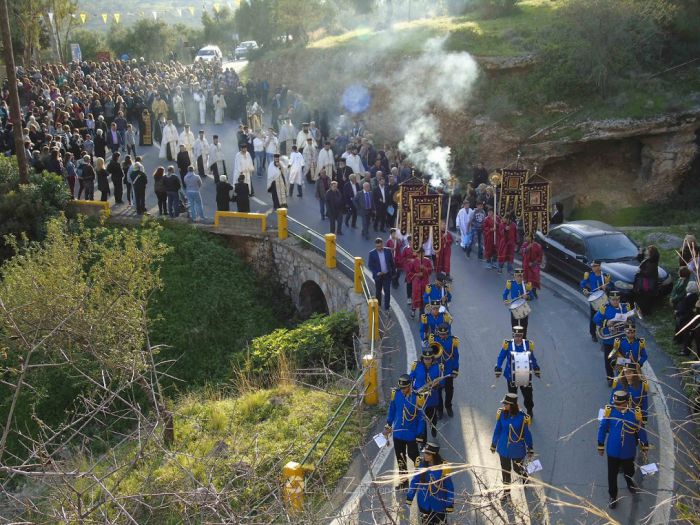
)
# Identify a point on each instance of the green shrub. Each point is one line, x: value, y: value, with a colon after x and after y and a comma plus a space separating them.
x: 320, y: 341
x: 24, y: 209
x: 496, y: 8
x: 211, y: 304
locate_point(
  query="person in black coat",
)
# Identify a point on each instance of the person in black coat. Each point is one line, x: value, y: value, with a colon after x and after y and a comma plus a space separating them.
x: 140, y: 180
x: 100, y: 144
x: 183, y: 162
x: 558, y: 216
x: 242, y: 195
x: 114, y: 168
x: 223, y: 189
x: 335, y: 206
x: 351, y: 189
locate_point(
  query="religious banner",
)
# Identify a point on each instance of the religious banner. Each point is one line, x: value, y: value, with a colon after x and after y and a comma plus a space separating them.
x: 426, y: 211
x: 75, y: 53
x: 536, y: 207
x: 413, y: 186
x: 511, y: 191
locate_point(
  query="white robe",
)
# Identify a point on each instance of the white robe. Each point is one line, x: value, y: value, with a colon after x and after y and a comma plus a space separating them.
x: 170, y: 138
x: 243, y: 165
x: 287, y: 133
x: 326, y: 160
x: 275, y: 177
x: 216, y: 156
x: 219, y: 106
x: 201, y: 147
x: 272, y: 145
x: 187, y: 140
x: 296, y: 168
x: 201, y: 101
x: 301, y: 139
x: 179, y: 108
x: 310, y: 161
x: 463, y: 219
x: 354, y: 162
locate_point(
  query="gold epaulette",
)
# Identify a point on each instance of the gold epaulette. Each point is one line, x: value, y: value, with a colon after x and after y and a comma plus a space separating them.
x: 638, y: 414
x: 508, y: 284
x: 428, y: 288
x: 528, y: 419
x: 455, y: 341
x: 498, y: 414
x: 531, y: 344
x: 615, y: 382
x: 602, y: 309
x: 393, y: 393
x: 528, y: 286
x: 431, y: 338
x: 642, y: 343
x: 447, y: 287
x: 423, y: 318
x: 446, y: 471
x: 607, y: 410
x: 586, y: 275
x: 629, y: 306
x: 505, y: 344
x: 421, y: 399
x: 413, y: 366
x: 606, y: 277
x: 645, y: 386
x: 447, y: 317
x: 616, y: 343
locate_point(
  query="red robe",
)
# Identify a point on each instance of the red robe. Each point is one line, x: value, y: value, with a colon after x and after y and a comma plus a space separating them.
x: 406, y: 259
x: 443, y: 257
x: 532, y: 261
x: 394, y: 246
x: 417, y: 267
x: 507, y: 237
x: 489, y: 244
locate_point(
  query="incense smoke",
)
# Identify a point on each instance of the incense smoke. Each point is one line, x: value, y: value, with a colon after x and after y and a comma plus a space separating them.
x: 435, y: 80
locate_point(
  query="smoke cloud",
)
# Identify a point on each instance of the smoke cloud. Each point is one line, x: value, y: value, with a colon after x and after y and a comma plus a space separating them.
x: 435, y: 80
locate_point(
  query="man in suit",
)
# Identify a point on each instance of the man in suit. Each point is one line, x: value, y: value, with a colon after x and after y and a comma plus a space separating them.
x: 381, y: 264
x: 350, y: 191
x: 365, y: 207
x: 381, y: 201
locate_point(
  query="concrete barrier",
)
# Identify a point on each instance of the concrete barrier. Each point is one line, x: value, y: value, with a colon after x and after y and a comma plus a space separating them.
x: 237, y: 222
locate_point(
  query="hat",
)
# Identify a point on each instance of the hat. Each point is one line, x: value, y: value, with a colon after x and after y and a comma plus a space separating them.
x: 428, y: 351
x: 443, y: 328
x: 440, y: 276
x: 621, y: 396
x: 202, y: 131
x: 404, y: 381
x: 518, y: 330
x: 276, y: 155
x: 244, y: 146
x: 510, y: 399
x: 630, y: 324
x: 378, y: 240
x: 595, y: 262
x: 434, y: 304
x: 518, y: 271
x: 613, y: 294
x: 431, y: 448
x: 215, y: 137
x: 304, y: 124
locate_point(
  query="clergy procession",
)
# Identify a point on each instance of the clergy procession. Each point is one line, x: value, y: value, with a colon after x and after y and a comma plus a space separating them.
x: 283, y: 149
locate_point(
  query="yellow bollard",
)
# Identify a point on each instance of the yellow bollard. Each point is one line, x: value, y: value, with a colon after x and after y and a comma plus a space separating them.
x: 373, y: 317
x: 330, y: 250
x: 293, y: 485
x: 282, y: 227
x: 369, y: 365
x: 358, y: 274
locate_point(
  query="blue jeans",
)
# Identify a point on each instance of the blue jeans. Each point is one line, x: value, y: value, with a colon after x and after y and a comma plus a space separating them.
x: 478, y: 238
x: 173, y: 204
x: 269, y: 158
x: 322, y: 204
x: 196, y: 208
x: 260, y: 163
x: 122, y: 138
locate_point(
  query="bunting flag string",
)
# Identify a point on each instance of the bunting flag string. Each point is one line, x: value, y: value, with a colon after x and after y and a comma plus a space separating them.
x: 117, y: 17
x: 155, y: 15
x: 191, y: 10
x: 83, y: 17
x: 50, y: 16
x: 179, y: 11
x: 217, y: 7
x: 104, y: 18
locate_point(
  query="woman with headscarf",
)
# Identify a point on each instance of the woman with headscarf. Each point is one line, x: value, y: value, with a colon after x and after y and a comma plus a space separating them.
x: 646, y: 281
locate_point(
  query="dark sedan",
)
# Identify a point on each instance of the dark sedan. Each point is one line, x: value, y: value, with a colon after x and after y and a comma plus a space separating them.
x: 570, y: 247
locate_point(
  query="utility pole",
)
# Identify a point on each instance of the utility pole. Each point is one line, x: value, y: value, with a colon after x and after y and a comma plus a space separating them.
x: 15, y: 113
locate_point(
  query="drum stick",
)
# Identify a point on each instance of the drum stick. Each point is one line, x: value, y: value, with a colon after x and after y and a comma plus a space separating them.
x: 509, y: 301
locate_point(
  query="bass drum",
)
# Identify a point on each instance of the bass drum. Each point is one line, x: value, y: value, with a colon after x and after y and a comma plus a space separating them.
x: 520, y: 368
x: 597, y: 299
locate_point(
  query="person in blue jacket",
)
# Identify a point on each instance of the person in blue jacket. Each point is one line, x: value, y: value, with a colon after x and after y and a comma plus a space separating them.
x: 631, y: 348
x: 632, y: 381
x: 405, y: 424
x: 449, y: 357
x: 510, y: 346
x: 430, y: 321
x: 512, y: 440
x: 605, y: 319
x: 618, y: 434
x: 593, y: 281
x: 433, y: 487
x: 426, y: 376
x: 438, y: 291
x: 517, y: 289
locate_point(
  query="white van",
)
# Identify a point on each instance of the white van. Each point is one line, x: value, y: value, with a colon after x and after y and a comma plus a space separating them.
x: 208, y: 53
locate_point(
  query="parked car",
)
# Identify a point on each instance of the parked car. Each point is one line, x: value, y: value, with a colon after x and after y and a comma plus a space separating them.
x: 570, y: 248
x: 208, y: 54
x: 244, y: 48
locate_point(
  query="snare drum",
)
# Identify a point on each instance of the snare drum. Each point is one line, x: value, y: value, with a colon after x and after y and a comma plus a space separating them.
x: 598, y: 299
x: 520, y: 368
x: 520, y: 309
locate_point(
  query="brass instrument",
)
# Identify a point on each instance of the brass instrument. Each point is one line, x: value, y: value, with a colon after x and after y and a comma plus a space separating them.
x: 615, y: 328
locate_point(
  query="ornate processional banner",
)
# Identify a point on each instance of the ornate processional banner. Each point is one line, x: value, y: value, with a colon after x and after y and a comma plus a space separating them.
x: 425, y: 219
x: 407, y: 190
x: 511, y: 191
x: 536, y: 207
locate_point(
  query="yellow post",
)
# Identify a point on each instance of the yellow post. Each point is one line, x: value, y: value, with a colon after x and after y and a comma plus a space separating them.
x: 282, y: 228
x: 369, y: 365
x: 358, y: 274
x: 293, y: 485
x: 330, y: 250
x: 373, y: 310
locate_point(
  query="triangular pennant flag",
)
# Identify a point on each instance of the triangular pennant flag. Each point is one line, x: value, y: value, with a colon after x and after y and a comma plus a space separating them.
x: 191, y: 9
x: 83, y: 17
x: 104, y: 17
x: 50, y: 17
x: 217, y: 7
x: 155, y: 15
x: 179, y: 11
x: 117, y: 17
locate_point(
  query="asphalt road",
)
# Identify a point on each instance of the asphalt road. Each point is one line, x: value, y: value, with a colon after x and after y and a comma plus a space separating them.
x: 567, y: 398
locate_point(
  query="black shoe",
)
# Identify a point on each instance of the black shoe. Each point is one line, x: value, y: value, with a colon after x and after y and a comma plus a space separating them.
x: 594, y: 338
x: 613, y: 503
x: 449, y: 411
x: 529, y: 413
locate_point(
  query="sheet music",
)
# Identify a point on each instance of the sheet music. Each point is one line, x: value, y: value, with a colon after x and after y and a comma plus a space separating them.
x: 381, y: 440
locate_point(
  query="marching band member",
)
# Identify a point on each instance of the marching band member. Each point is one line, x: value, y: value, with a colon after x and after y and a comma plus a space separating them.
x: 618, y: 433
x: 512, y: 440
x: 449, y: 357
x: 438, y: 291
x: 517, y: 289
x: 405, y: 424
x: 591, y: 282
x: 418, y: 273
x: 510, y: 347
x: 630, y: 347
x: 604, y: 319
x: 433, y: 486
x: 426, y: 376
x: 631, y: 381
x: 430, y: 321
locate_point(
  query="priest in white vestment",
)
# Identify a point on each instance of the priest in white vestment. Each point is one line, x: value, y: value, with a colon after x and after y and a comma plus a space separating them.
x: 187, y: 140
x: 286, y: 137
x: 168, y: 145
x: 303, y: 135
x: 217, y: 164
x: 296, y: 172
x: 219, y: 106
x: 276, y: 183
x: 200, y: 98
x: 243, y: 165
x: 326, y: 161
x: 200, y: 150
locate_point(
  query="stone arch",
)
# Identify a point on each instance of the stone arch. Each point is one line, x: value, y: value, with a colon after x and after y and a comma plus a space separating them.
x: 312, y: 300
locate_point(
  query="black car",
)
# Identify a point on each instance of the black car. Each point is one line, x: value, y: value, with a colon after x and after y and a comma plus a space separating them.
x: 570, y: 247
